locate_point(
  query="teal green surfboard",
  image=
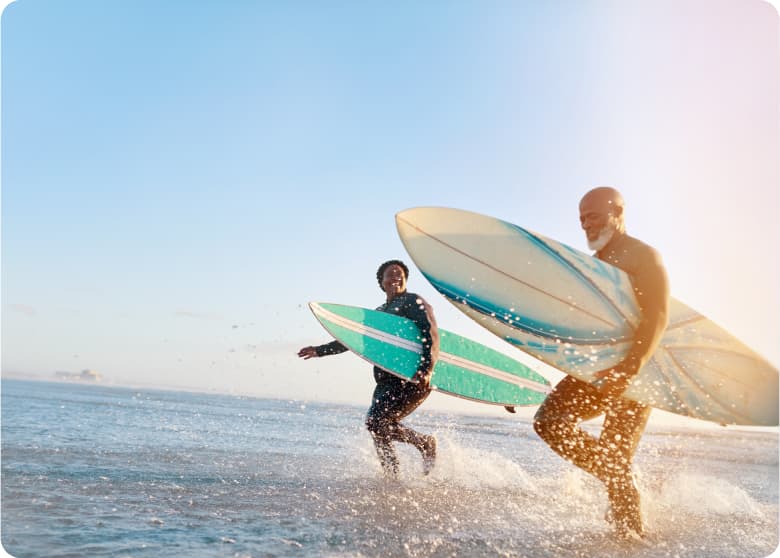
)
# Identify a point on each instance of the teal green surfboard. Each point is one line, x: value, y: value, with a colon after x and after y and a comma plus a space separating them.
x: 464, y: 368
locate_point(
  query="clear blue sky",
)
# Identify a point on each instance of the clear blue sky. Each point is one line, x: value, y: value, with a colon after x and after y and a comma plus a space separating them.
x: 180, y: 178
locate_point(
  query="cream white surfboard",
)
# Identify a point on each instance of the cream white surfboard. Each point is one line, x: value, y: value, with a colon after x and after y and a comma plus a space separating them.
x: 578, y: 314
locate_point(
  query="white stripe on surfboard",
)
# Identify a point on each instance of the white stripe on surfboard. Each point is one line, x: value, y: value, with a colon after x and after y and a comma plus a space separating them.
x: 399, y: 342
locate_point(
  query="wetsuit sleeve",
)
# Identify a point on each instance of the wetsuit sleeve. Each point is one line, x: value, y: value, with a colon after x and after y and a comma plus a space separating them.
x: 651, y: 287
x: 332, y: 348
x: 421, y: 313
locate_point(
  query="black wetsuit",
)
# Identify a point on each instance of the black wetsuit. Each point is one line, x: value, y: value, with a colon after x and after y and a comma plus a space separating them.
x: 395, y: 398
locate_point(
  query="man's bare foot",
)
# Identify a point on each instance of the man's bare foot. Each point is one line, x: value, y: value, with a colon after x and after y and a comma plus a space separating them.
x: 625, y: 511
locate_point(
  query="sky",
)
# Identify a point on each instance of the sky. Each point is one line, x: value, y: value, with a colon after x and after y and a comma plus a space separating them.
x: 179, y: 179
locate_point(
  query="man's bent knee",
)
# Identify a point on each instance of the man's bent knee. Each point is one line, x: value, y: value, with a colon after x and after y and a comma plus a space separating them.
x: 552, y: 425
x: 544, y: 425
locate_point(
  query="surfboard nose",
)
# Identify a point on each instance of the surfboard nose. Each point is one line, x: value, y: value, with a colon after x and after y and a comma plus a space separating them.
x: 418, y: 218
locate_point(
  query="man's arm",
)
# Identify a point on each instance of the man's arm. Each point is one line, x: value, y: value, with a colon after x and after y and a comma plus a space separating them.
x: 651, y: 287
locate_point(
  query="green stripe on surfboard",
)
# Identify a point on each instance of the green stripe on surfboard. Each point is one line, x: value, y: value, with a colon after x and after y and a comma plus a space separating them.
x: 465, y: 368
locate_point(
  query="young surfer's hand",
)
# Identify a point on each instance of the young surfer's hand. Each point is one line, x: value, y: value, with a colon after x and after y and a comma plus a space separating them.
x: 307, y: 352
x: 424, y: 379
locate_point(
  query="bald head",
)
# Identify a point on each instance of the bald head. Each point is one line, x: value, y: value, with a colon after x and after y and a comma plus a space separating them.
x: 601, y: 215
x: 604, y: 197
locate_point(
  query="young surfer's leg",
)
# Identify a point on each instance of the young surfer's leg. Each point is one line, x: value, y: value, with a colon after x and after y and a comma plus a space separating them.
x: 409, y: 397
x: 380, y: 425
x: 395, y: 402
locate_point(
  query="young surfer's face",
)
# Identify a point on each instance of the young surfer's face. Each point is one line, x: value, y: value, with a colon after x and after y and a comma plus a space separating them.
x: 394, y: 280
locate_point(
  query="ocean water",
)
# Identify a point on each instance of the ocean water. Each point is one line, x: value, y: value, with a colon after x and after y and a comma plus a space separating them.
x: 90, y: 470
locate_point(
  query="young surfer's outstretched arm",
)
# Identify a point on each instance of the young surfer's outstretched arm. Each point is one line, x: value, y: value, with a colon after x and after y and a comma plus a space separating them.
x: 332, y: 348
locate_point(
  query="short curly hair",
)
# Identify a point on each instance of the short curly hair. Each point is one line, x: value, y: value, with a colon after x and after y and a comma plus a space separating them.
x: 381, y: 271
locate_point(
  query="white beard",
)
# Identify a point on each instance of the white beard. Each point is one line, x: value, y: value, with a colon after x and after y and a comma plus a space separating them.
x: 603, y: 239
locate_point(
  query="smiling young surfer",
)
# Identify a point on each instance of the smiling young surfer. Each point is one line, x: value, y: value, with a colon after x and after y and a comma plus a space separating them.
x: 395, y: 398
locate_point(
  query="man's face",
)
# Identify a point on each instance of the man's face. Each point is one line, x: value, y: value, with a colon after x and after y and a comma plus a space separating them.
x: 598, y: 221
x: 393, y: 279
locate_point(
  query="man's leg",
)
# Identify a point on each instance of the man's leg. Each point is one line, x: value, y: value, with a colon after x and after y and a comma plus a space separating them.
x: 557, y: 423
x: 609, y: 457
x: 624, y: 424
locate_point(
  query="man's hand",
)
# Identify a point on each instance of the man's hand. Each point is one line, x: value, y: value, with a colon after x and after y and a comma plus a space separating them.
x: 612, y: 382
x: 307, y: 352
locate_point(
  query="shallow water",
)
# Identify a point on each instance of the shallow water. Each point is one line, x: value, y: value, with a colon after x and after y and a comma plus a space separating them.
x: 104, y: 471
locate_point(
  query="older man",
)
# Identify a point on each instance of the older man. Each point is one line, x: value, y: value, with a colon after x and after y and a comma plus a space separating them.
x: 609, y: 456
